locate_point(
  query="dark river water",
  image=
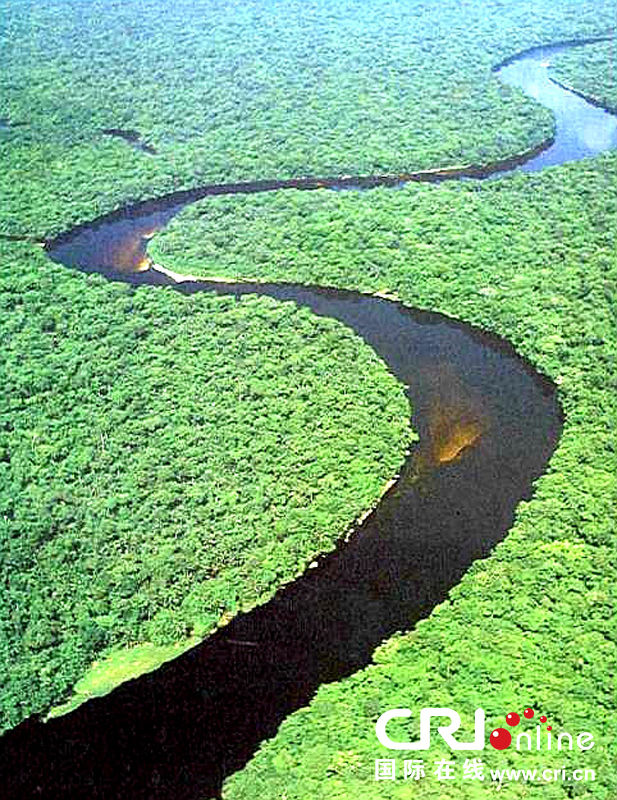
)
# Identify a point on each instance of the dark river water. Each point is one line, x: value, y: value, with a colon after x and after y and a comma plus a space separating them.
x: 488, y: 424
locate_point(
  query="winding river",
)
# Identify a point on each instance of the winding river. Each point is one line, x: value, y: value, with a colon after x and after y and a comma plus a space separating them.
x: 488, y: 424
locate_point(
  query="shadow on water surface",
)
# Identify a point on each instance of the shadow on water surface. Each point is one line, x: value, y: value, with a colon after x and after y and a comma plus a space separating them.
x: 488, y: 424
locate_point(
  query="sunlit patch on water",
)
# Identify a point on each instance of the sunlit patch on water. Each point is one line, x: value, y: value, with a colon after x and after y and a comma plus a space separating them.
x: 456, y: 420
x: 452, y: 437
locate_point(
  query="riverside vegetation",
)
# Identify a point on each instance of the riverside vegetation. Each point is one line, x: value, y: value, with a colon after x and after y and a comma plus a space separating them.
x: 534, y: 259
x: 590, y: 72
x: 529, y: 257
x: 165, y: 462
x: 227, y: 92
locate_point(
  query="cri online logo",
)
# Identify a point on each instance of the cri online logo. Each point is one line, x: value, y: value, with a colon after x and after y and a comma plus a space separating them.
x: 500, y: 738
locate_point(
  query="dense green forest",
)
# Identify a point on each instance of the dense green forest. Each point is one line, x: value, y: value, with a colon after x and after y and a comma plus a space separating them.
x: 229, y: 91
x: 534, y: 259
x: 167, y: 461
x: 590, y: 71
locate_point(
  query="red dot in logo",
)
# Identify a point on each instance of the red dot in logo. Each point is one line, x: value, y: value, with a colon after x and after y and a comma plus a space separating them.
x: 500, y: 738
x: 512, y: 718
x: 549, y: 728
x: 528, y: 713
x: 543, y: 718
